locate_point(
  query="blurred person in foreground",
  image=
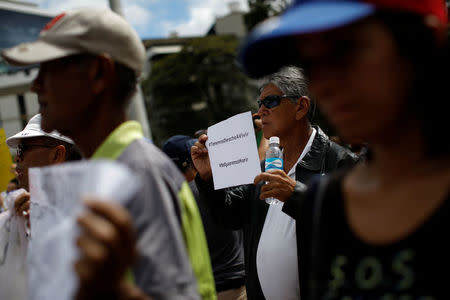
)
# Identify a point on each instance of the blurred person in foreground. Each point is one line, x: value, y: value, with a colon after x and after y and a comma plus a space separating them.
x: 225, y: 246
x: 270, y: 237
x: 90, y: 60
x: 378, y: 70
x: 37, y: 148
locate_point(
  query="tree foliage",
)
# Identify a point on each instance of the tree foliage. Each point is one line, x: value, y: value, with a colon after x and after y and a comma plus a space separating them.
x: 197, y: 87
x: 259, y: 10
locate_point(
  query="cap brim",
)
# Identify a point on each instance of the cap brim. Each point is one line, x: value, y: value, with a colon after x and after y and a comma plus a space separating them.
x: 14, y: 140
x: 270, y: 46
x: 35, y: 53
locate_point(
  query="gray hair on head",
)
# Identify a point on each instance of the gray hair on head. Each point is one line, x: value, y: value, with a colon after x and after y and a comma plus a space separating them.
x: 292, y: 82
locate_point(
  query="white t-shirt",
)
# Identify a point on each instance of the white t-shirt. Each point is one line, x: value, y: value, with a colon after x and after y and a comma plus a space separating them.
x: 276, y: 257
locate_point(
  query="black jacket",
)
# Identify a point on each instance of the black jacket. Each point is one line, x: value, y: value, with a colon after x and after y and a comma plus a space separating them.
x: 241, y: 208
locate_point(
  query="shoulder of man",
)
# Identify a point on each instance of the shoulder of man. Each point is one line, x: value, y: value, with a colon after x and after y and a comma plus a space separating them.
x: 335, y: 156
x: 143, y: 156
x: 163, y: 267
x: 156, y: 167
x: 339, y: 156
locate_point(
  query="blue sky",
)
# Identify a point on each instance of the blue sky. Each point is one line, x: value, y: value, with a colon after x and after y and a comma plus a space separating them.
x: 157, y: 18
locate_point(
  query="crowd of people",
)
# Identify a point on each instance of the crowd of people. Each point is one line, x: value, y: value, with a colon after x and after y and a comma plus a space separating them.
x: 350, y: 226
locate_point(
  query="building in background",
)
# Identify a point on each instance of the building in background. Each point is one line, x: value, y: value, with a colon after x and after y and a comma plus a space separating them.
x: 230, y: 24
x: 22, y: 21
x: 19, y: 22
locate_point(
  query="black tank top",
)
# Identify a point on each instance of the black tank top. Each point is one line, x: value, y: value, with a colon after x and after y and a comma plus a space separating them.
x: 415, y: 268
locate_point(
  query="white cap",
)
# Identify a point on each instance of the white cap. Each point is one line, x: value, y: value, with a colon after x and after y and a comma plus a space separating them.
x: 274, y: 139
x: 33, y: 129
x: 87, y: 30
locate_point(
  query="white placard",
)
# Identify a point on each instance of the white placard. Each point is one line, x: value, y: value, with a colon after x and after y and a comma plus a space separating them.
x: 56, y: 194
x: 233, y: 152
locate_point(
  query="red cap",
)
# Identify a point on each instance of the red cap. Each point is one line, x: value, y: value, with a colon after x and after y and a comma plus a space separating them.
x: 421, y: 7
x: 310, y: 16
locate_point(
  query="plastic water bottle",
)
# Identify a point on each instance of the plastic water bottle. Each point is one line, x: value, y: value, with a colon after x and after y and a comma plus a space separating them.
x: 274, y: 161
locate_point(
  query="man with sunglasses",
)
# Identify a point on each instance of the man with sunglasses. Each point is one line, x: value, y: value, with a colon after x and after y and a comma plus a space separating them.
x: 270, y: 238
x: 36, y: 148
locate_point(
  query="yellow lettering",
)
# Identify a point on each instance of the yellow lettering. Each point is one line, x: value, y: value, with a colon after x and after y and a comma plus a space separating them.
x: 337, y: 272
x: 369, y: 273
x: 399, y: 266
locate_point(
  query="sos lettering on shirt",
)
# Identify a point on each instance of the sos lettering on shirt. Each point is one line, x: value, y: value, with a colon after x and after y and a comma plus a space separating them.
x: 372, y: 277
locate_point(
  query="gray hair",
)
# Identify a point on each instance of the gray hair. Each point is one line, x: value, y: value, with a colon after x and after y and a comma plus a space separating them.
x: 292, y: 82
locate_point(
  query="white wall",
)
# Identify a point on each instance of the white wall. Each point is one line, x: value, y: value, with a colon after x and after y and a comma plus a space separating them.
x: 231, y: 24
x: 31, y: 104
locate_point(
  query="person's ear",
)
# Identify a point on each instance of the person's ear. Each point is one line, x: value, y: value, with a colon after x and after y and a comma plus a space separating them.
x: 101, y: 71
x: 303, y: 104
x: 58, y: 154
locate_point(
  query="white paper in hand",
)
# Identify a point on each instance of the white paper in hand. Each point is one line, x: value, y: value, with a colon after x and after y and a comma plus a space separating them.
x: 56, y: 194
x: 233, y: 152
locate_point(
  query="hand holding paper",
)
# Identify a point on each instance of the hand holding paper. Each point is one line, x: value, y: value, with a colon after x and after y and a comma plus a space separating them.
x: 233, y: 153
x: 107, y: 247
x: 55, y: 203
x: 22, y: 205
x: 200, y: 158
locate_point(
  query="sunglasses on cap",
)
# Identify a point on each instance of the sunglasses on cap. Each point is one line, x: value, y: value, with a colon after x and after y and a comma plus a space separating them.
x: 273, y: 100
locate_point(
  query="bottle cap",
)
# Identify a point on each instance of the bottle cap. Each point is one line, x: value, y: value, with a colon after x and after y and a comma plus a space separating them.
x: 274, y: 139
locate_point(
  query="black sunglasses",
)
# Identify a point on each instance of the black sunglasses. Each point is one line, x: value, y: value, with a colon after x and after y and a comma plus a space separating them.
x: 273, y: 100
x: 22, y: 148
